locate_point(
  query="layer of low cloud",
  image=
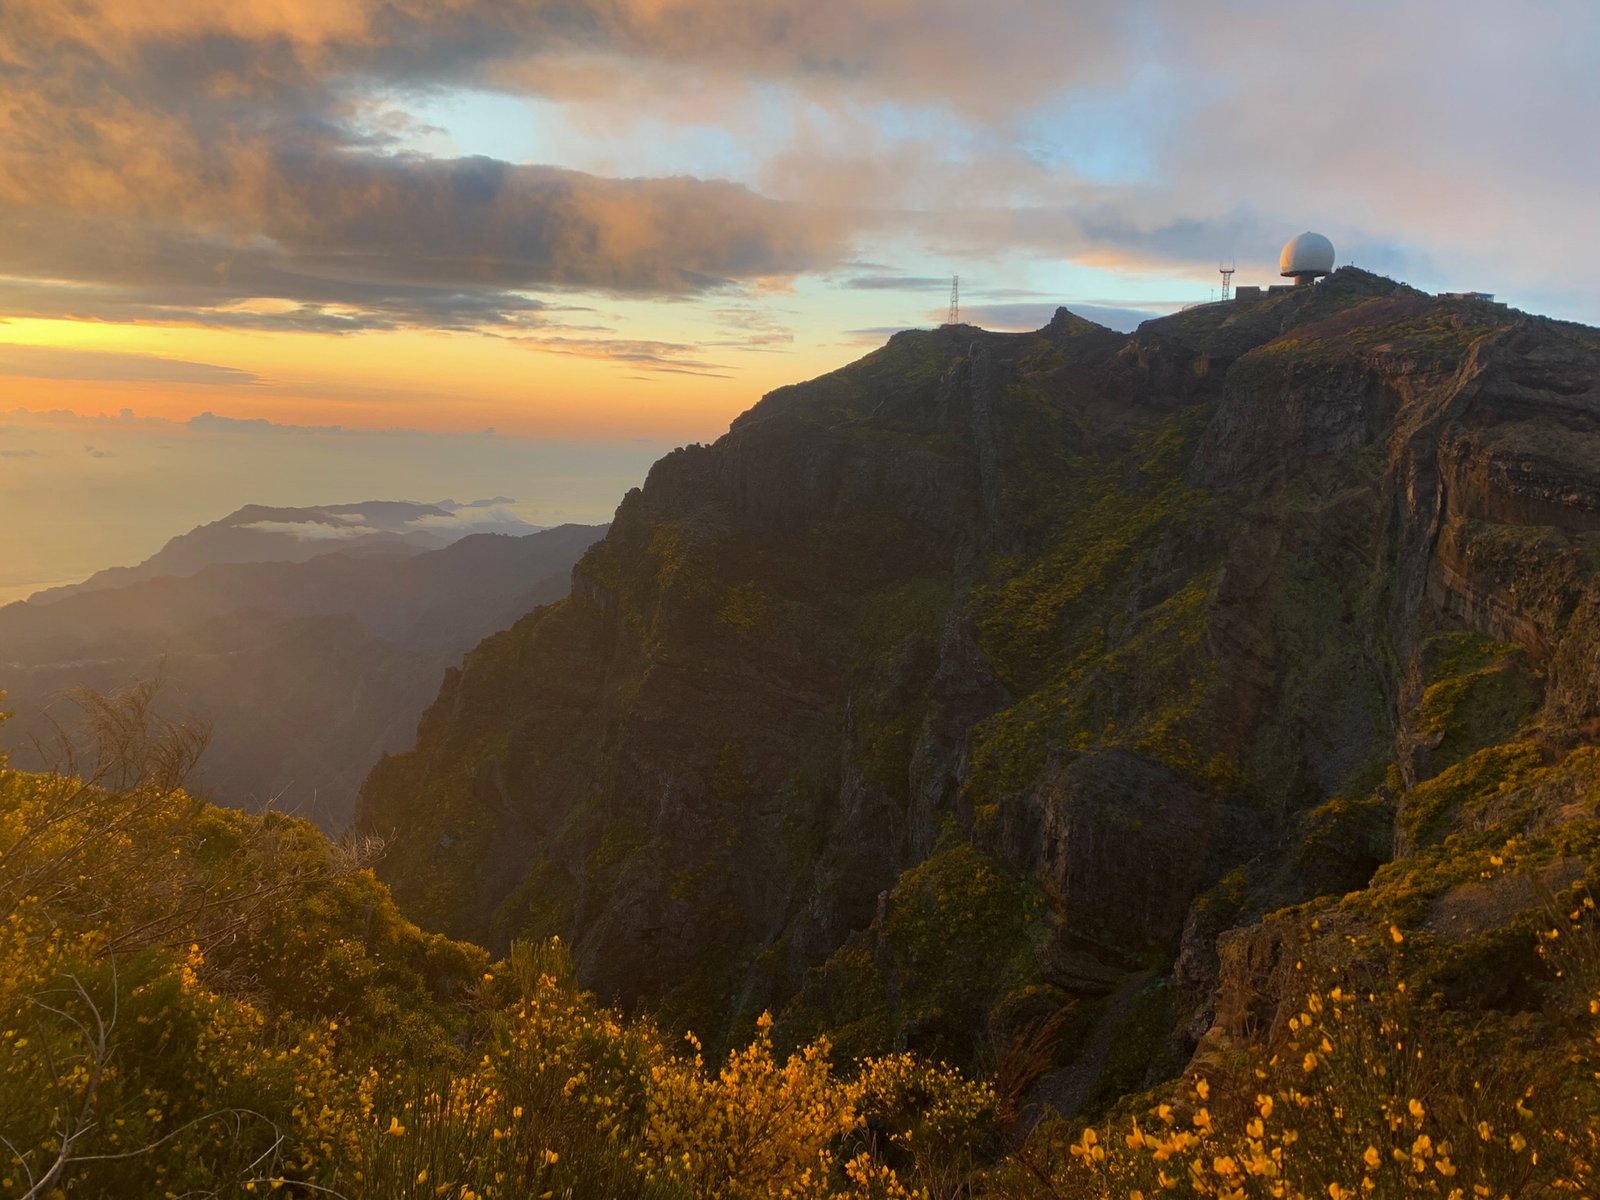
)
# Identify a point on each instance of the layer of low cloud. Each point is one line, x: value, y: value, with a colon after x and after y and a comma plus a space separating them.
x: 167, y: 478
x: 210, y: 422
x: 473, y: 517
x: 312, y: 531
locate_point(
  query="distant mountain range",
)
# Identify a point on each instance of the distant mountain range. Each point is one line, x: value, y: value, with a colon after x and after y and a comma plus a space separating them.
x: 257, y: 533
x: 311, y: 659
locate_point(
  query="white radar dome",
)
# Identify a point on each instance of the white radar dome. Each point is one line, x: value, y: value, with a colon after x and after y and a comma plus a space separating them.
x: 1306, y: 254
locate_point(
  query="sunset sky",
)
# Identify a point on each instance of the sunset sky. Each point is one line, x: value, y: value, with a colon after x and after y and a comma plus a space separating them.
x: 600, y: 228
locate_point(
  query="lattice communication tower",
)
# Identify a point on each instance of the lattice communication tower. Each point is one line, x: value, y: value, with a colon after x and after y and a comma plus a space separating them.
x: 955, y: 300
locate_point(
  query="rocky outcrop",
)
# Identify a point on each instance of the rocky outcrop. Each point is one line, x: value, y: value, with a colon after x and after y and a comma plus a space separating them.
x: 1123, y: 845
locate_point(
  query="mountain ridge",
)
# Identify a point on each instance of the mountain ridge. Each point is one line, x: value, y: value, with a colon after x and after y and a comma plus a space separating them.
x: 1149, y: 633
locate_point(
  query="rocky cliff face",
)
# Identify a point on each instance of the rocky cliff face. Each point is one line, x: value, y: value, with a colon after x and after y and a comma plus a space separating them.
x: 1469, y: 431
x: 994, y: 676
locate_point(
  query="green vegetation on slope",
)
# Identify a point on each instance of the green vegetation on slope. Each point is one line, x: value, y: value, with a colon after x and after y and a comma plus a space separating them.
x: 200, y: 1002
x: 959, y: 940
x: 176, y: 1019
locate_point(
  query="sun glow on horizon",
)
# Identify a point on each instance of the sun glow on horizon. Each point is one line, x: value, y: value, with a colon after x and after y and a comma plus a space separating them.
x: 416, y: 379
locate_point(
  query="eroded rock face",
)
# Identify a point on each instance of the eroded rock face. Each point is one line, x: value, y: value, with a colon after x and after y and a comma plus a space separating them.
x: 1490, y: 474
x: 1259, y: 986
x: 1124, y: 844
x: 1282, y: 414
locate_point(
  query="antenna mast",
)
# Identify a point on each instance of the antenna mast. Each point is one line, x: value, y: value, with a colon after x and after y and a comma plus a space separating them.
x: 955, y: 300
x: 1227, y: 278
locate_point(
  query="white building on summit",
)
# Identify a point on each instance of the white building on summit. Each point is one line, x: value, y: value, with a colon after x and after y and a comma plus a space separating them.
x: 1305, y: 257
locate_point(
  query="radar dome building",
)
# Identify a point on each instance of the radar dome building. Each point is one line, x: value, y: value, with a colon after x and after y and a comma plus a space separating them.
x: 1305, y: 257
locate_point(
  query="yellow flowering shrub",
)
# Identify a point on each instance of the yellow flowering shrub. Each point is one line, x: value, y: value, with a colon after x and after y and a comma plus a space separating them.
x: 1363, y: 1098
x: 757, y: 1128
x: 197, y: 1002
x: 929, y: 1113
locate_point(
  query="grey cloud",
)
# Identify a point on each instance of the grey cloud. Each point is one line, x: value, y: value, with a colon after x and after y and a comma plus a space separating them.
x: 19, y: 454
x: 672, y: 358
x: 951, y: 52
x: 493, y: 224
x: 692, y: 370
x: 384, y: 258
x: 124, y: 269
x: 1005, y: 293
x: 909, y: 283
x: 1433, y: 142
x: 55, y: 362
x: 753, y: 329
x: 876, y: 333
x: 774, y: 342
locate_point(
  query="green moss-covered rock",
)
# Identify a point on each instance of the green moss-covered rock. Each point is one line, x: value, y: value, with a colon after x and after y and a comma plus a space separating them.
x: 958, y: 946
x: 1475, y: 692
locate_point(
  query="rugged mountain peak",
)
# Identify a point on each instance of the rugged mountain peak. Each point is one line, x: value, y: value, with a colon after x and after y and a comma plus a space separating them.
x: 994, y: 624
x: 1068, y: 324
